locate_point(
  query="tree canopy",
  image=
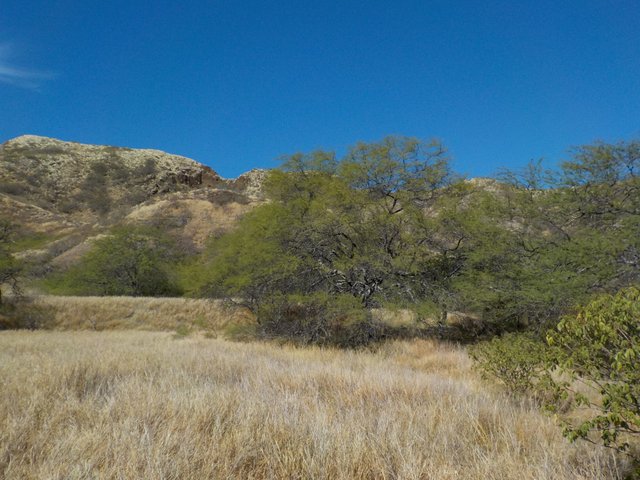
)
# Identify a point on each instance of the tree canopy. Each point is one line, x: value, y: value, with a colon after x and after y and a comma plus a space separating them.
x: 390, y: 224
x: 134, y: 261
x: 354, y: 226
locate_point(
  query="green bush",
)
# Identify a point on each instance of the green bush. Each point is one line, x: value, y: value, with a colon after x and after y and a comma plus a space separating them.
x: 518, y: 360
x: 589, y: 361
x: 182, y: 331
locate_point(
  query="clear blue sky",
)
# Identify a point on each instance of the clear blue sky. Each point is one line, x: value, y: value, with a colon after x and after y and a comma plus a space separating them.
x: 236, y: 84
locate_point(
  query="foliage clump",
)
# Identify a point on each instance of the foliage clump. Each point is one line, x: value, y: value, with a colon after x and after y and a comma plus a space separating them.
x: 600, y: 347
x: 518, y: 360
x: 134, y: 261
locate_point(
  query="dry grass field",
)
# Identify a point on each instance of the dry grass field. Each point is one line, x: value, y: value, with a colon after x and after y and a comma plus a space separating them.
x: 133, y: 404
x: 137, y: 313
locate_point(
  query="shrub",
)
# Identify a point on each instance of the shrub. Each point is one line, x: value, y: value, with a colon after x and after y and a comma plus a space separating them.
x: 13, y: 188
x: 182, y: 331
x: 318, y: 318
x: 239, y: 332
x: 21, y: 313
x: 518, y: 360
x: 600, y: 347
x: 69, y: 206
x: 148, y: 168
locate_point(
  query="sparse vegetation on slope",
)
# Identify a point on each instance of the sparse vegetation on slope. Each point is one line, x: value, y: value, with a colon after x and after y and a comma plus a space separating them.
x: 63, y: 193
x: 145, y: 405
x: 70, y: 177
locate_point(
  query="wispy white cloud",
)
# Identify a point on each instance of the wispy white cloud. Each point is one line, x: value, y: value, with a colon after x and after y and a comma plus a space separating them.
x: 12, y: 74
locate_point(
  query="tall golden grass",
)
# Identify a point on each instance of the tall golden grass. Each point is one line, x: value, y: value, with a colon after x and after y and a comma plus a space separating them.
x: 131, y: 404
x: 137, y: 313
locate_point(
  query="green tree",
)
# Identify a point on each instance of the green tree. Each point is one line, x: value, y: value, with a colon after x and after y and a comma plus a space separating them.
x: 603, y: 186
x: 389, y: 225
x: 251, y: 261
x: 355, y: 226
x: 370, y: 226
x: 559, y: 237
x: 604, y: 181
x: 132, y: 261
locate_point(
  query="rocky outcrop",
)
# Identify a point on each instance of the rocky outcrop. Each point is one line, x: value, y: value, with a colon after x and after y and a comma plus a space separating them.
x: 250, y: 184
x: 62, y: 173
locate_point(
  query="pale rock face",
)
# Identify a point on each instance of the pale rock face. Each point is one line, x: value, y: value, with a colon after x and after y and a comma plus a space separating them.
x: 250, y: 183
x: 56, y: 170
x: 63, y: 166
x: 487, y: 184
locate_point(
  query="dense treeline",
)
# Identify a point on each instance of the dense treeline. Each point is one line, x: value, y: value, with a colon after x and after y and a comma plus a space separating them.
x: 389, y: 225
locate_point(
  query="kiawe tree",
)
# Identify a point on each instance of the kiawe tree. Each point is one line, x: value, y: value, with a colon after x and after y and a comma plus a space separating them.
x: 370, y: 226
x: 134, y: 261
x: 563, y: 235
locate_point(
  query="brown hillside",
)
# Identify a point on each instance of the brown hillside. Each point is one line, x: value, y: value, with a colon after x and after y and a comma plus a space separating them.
x: 62, y: 193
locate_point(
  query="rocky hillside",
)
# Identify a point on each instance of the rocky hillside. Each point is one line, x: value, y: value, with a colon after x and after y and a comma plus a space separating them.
x: 63, y: 193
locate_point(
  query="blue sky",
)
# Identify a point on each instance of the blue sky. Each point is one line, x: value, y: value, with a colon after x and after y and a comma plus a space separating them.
x: 236, y: 84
